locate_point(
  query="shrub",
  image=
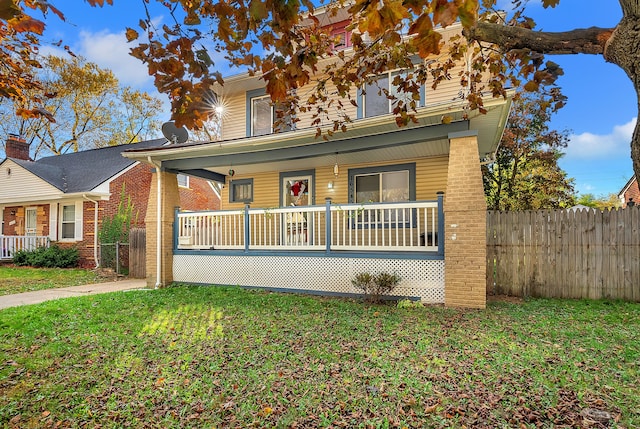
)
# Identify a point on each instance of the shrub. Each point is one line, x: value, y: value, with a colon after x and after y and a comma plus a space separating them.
x: 48, y: 257
x: 407, y: 303
x: 375, y: 286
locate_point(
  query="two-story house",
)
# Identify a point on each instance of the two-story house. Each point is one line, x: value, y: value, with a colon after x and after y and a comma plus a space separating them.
x: 306, y: 214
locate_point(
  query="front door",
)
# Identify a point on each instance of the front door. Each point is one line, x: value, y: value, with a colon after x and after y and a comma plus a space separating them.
x: 297, y: 191
x: 31, y: 219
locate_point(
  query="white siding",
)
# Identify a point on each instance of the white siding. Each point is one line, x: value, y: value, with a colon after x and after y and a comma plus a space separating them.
x: 19, y: 185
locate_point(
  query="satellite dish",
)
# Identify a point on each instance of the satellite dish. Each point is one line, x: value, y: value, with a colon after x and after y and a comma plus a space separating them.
x: 174, y: 134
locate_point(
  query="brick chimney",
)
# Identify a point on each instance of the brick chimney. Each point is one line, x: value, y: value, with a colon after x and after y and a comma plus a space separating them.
x: 17, y: 147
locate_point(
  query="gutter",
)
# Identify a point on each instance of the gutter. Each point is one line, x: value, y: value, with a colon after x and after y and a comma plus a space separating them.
x: 158, y: 224
x: 95, y: 229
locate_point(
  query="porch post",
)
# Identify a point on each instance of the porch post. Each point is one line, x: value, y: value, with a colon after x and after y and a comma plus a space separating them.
x: 327, y: 223
x: 440, y: 223
x: 247, y: 230
x: 465, y: 210
x: 169, y: 200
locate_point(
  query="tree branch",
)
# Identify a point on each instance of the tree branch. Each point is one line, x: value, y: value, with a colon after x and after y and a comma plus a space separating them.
x: 580, y: 41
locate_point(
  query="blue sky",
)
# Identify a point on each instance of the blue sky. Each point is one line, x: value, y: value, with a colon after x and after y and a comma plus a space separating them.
x: 600, y: 113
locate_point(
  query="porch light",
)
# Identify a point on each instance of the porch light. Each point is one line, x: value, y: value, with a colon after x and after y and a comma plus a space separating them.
x: 330, y: 185
x: 336, y: 169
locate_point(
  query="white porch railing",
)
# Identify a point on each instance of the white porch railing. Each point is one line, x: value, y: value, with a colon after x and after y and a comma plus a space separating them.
x: 406, y: 226
x: 9, y: 244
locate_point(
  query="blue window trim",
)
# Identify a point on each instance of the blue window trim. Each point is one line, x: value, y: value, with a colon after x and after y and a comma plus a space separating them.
x: 260, y: 92
x: 360, y: 97
x: 353, y: 172
x: 311, y: 173
x: 234, y: 183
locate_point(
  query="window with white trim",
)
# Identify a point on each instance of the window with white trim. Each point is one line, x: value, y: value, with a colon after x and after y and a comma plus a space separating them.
x: 265, y: 118
x: 261, y: 116
x: 376, y: 94
x: 68, y: 222
x: 183, y: 180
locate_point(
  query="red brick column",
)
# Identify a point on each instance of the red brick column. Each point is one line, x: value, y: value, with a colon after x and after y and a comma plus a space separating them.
x: 465, y: 211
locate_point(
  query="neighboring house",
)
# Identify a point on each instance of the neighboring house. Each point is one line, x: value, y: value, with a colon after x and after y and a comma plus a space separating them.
x: 301, y: 213
x: 56, y: 197
x: 630, y: 193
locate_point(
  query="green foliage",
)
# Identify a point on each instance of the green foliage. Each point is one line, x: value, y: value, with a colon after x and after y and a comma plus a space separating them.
x: 602, y: 202
x: 48, y: 257
x: 407, y: 303
x: 115, y: 229
x: 525, y: 174
x: 375, y: 286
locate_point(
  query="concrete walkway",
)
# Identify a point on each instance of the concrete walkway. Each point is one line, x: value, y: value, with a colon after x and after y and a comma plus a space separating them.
x: 39, y: 296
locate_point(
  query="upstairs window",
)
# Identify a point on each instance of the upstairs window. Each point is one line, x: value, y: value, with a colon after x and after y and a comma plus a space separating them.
x: 374, y: 99
x: 341, y: 35
x: 262, y: 115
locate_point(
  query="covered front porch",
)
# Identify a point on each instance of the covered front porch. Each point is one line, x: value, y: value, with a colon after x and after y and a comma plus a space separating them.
x: 315, y: 249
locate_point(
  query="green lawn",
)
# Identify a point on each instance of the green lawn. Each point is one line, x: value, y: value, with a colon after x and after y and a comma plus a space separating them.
x: 211, y: 357
x: 23, y: 279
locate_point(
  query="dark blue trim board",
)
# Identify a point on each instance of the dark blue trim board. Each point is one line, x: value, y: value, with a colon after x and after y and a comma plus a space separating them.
x: 426, y: 256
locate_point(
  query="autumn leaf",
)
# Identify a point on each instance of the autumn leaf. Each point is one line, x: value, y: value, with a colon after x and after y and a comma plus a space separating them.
x: 9, y: 10
x: 131, y: 34
x: 27, y: 24
x: 258, y: 10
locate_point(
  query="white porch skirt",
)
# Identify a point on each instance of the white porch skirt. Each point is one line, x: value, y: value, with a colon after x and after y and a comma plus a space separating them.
x: 422, y: 279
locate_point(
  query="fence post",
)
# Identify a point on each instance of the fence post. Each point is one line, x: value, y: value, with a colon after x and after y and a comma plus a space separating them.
x: 117, y: 257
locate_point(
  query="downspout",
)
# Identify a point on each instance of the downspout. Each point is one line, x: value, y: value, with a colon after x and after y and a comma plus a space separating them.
x: 95, y: 229
x: 158, y: 224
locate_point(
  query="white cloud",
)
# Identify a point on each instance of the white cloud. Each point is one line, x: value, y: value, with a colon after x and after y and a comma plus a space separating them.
x: 595, y: 146
x: 111, y: 51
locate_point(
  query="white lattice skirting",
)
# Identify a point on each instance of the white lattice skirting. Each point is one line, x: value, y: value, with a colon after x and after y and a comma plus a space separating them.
x: 420, y: 278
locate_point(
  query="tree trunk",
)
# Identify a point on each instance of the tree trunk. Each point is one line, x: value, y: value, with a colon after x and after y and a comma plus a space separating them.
x: 619, y: 46
x: 622, y: 49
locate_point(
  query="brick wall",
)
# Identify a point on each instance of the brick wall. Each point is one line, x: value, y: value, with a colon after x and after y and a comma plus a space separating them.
x: 136, y: 183
x: 465, y: 227
x: 198, y: 196
x: 633, y: 193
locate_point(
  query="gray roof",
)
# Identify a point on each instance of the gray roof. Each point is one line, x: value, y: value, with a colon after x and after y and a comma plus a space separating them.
x: 83, y: 171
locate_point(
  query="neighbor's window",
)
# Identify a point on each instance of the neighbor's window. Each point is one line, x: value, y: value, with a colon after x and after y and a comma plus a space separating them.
x: 183, y: 180
x: 241, y: 191
x: 68, y: 222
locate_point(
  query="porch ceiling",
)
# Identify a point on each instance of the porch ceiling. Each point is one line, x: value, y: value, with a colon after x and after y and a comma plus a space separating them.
x: 366, y: 140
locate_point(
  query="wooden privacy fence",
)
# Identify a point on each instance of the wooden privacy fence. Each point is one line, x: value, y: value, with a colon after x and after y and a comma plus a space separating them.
x: 137, y: 253
x: 564, y: 253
